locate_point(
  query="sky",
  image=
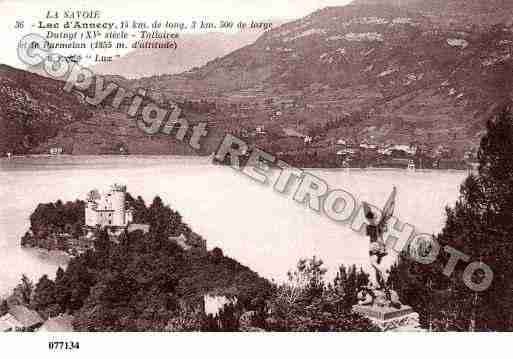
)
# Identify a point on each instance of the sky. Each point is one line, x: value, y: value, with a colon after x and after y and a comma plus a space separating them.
x: 32, y: 10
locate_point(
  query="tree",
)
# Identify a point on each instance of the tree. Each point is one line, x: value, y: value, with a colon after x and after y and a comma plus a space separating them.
x: 186, y: 319
x: 140, y: 211
x: 45, y: 300
x: 306, y: 303
x: 4, y: 307
x: 49, y: 219
x: 102, y: 243
x: 480, y: 225
x: 347, y: 284
x: 26, y: 289
x: 308, y: 276
x: 73, y: 289
x: 137, y: 283
x: 61, y: 289
x: 217, y: 253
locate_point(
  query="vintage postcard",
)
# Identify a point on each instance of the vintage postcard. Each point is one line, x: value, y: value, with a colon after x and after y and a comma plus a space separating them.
x: 274, y: 166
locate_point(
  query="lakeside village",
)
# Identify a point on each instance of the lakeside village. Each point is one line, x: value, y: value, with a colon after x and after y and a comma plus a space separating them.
x: 319, y: 132
x: 316, y: 134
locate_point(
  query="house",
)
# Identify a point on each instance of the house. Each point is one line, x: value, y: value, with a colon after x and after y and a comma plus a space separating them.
x: 29, y: 319
x: 194, y: 242
x: 442, y: 151
x: 132, y: 227
x: 260, y: 130
x: 121, y: 149
x: 387, y: 150
x: 61, y: 324
x: 9, y: 323
x: 215, y: 303
x: 473, y: 167
x: 368, y: 146
x: 292, y: 132
x: 54, y: 151
x: 244, y: 133
x: 470, y: 155
x: 82, y: 244
x: 346, y: 151
x: 411, y: 150
x: 181, y: 240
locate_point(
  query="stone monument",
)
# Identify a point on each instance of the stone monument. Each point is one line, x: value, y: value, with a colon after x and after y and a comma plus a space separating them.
x: 385, y: 310
x: 377, y: 301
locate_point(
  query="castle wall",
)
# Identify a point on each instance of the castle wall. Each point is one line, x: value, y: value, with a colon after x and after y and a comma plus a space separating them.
x: 129, y: 216
x: 105, y: 218
x: 118, y: 206
x: 91, y: 216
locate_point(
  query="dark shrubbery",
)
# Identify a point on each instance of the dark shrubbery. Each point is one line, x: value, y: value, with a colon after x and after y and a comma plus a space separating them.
x: 480, y: 225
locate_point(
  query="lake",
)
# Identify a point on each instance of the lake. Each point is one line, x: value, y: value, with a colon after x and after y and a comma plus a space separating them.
x: 260, y: 228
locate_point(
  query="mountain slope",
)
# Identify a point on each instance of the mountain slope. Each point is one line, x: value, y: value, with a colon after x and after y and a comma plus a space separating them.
x: 415, y: 76
x: 455, y: 12
x: 398, y: 74
x: 37, y: 114
x: 34, y: 109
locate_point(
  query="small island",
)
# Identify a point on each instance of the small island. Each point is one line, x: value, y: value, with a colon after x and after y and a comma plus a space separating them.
x: 74, y: 227
x: 135, y: 267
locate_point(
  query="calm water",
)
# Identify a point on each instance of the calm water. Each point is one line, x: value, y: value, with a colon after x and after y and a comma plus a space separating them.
x: 250, y: 222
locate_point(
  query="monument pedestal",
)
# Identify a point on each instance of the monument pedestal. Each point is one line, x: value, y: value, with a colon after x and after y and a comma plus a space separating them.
x: 389, y: 318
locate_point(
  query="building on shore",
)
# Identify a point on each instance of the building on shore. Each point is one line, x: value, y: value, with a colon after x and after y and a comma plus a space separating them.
x: 55, y: 151
x: 194, y: 241
x: 473, y: 167
x: 213, y: 303
x: 8, y: 323
x: 20, y: 319
x: 411, y: 165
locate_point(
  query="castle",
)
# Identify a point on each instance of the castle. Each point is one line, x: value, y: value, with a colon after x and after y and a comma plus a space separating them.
x: 108, y: 210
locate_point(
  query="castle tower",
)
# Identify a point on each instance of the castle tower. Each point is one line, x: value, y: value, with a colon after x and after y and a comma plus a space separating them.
x: 117, y: 200
x: 91, y: 215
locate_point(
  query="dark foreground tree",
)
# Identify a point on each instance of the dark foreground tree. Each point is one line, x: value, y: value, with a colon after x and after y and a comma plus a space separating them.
x: 45, y: 300
x: 480, y: 225
x: 307, y: 303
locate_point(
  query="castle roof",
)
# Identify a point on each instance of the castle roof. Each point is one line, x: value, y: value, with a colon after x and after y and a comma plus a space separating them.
x: 27, y: 317
x: 9, y: 323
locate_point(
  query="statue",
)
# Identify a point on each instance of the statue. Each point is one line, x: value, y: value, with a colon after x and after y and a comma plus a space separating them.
x: 370, y: 296
x: 366, y: 296
x: 377, y: 248
x: 377, y: 301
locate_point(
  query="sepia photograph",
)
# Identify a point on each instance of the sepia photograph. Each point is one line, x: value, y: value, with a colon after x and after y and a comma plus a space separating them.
x: 226, y: 166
